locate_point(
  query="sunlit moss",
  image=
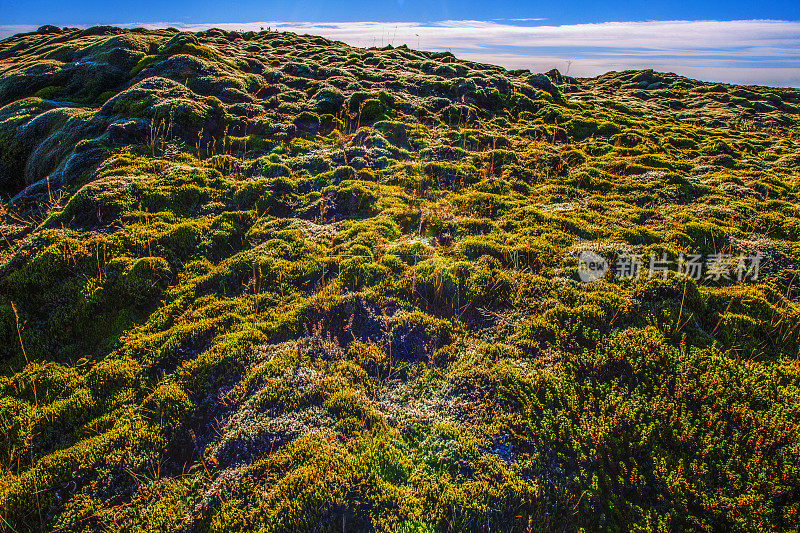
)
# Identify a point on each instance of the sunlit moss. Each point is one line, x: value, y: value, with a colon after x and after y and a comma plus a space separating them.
x: 268, y: 281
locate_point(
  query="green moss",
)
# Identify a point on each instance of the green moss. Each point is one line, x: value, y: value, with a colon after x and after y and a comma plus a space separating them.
x: 48, y: 92
x: 277, y: 283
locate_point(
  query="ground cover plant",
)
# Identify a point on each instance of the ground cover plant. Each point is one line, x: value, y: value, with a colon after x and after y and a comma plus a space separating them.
x: 264, y: 281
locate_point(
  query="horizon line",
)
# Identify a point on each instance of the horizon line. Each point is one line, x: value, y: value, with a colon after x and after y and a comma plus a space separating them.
x: 745, y: 52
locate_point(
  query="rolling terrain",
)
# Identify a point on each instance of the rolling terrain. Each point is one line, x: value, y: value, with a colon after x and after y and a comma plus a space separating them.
x: 263, y: 281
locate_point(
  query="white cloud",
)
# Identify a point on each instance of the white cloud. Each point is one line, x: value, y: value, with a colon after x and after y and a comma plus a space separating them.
x: 743, y: 51
x: 7, y: 30
x: 523, y: 19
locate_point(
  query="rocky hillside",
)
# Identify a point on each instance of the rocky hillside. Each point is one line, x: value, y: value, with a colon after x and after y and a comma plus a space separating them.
x: 262, y: 281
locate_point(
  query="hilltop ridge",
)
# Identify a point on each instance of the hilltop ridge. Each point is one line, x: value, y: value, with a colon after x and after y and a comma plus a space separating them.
x: 87, y: 80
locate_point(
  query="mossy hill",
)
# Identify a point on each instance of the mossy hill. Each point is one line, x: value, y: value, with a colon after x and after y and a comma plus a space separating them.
x: 262, y: 281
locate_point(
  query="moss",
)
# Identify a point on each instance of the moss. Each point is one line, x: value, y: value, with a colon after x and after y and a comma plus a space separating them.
x: 725, y: 160
x: 142, y: 64
x: 358, y: 272
x: 48, y: 92
x: 168, y: 405
x: 145, y: 279
x: 372, y: 110
x: 273, y: 282
x: 581, y: 129
x: 164, y: 505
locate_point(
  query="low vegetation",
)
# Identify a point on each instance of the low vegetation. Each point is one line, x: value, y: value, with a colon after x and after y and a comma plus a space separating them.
x: 262, y: 281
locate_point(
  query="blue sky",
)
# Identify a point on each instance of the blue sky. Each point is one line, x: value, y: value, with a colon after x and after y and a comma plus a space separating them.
x: 84, y: 12
x: 734, y: 40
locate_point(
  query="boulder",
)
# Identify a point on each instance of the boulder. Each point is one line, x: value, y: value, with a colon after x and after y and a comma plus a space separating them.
x: 541, y: 81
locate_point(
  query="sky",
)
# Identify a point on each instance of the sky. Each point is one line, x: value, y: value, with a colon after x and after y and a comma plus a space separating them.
x: 737, y: 41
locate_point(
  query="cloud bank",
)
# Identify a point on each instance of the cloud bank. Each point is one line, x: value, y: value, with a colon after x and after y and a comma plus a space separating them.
x: 765, y: 52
